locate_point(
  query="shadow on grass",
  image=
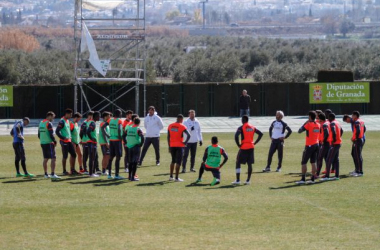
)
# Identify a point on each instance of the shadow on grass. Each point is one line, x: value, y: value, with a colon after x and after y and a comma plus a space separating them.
x: 197, y: 185
x: 299, y: 185
x: 152, y: 184
x: 100, y: 182
x: 166, y: 174
x: 74, y: 178
x: 225, y: 186
x: 19, y: 181
x: 111, y: 183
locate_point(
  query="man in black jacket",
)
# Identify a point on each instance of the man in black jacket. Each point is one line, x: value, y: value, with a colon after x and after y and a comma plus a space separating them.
x: 244, y: 102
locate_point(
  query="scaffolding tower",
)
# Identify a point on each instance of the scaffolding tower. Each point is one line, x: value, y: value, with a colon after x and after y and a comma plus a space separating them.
x: 117, y: 28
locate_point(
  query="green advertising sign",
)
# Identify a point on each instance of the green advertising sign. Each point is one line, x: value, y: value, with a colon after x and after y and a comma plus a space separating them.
x: 341, y: 92
x: 6, y: 96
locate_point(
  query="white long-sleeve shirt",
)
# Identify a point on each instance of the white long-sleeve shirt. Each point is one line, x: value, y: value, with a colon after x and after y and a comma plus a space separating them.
x: 196, y: 134
x: 153, y: 125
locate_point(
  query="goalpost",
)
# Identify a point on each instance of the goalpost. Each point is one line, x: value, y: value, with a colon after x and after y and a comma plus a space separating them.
x: 109, y: 38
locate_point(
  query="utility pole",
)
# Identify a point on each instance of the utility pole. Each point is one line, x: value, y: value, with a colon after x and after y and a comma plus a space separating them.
x: 204, y: 12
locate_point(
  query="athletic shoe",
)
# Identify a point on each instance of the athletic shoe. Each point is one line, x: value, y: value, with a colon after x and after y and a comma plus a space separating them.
x: 235, y: 183
x: 183, y: 171
x: 139, y: 164
x: 266, y: 169
x: 105, y: 173
x: 46, y: 176
x: 55, y: 177
x: 157, y: 163
x: 357, y: 175
x: 82, y: 171
x: 247, y: 183
x: 215, y: 182
x: 74, y: 172
x: 94, y: 175
x: 171, y: 179
x: 20, y: 175
x: 353, y: 173
x: 325, y: 179
x: 86, y: 173
x: 192, y: 170
x: 126, y: 170
x: 29, y: 175
x: 198, y: 181
x: 278, y: 170
x: 110, y: 177
x: 135, y: 179
x: 178, y: 180
x: 310, y: 182
x: 300, y: 182
x: 65, y: 173
x: 98, y: 171
x: 118, y: 177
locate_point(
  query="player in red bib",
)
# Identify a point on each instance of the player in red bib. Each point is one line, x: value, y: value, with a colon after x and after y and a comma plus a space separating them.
x: 310, y: 152
x: 246, y: 145
x: 324, y: 143
x: 357, y: 139
x: 176, y: 145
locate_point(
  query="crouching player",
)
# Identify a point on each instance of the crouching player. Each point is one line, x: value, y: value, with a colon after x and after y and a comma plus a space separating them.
x: 211, y: 161
x: 134, y: 139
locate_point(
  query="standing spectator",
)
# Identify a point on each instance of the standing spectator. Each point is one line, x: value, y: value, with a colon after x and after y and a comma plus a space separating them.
x: 193, y: 126
x: 244, y: 102
x: 153, y: 125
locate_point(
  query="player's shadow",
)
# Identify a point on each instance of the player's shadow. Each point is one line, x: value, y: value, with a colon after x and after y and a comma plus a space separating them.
x: 74, y: 178
x: 300, y: 185
x: 111, y: 183
x: 197, y: 185
x: 152, y: 184
x: 225, y: 186
x: 20, y: 181
x: 100, y: 182
x: 165, y: 174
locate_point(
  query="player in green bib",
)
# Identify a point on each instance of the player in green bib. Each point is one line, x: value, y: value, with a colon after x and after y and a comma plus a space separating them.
x: 104, y: 141
x: 85, y: 139
x: 211, y: 161
x: 76, y: 140
x: 133, y: 139
x: 48, y: 144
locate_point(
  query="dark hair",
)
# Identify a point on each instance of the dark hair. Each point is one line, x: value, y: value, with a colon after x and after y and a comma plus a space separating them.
x: 77, y: 115
x: 356, y: 113
x: 345, y: 117
x: 26, y: 119
x: 214, y: 140
x: 332, y: 116
x: 129, y: 112
x: 118, y: 113
x: 68, y: 111
x: 312, y: 115
x: 105, y: 113
x: 90, y: 113
x: 134, y: 116
x: 96, y: 114
x: 245, y: 118
x: 136, y: 121
x: 318, y: 111
x: 180, y: 116
x: 322, y: 116
x: 327, y: 112
x: 151, y: 107
x: 50, y: 113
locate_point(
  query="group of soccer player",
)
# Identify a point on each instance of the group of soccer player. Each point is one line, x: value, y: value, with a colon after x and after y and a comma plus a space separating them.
x: 323, y: 141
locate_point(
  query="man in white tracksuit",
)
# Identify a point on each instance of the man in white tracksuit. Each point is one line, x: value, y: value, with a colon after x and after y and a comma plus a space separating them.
x: 153, y: 125
x: 193, y: 126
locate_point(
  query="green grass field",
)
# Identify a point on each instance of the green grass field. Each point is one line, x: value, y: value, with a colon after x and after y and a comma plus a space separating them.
x: 272, y: 213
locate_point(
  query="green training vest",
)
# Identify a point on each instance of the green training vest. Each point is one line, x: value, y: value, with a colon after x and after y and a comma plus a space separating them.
x: 44, y: 133
x: 133, y: 137
x: 213, y: 156
x: 101, y: 139
x: 65, y: 131
x: 75, y: 138
x: 93, y: 133
x: 114, y: 129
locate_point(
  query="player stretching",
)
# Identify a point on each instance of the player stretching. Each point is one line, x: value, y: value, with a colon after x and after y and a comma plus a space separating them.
x: 176, y: 146
x: 324, y: 142
x: 48, y: 144
x: 247, y: 146
x: 335, y: 137
x: 133, y: 139
x: 104, y: 141
x: 277, y: 135
x: 64, y: 134
x: 211, y: 161
x: 310, y: 152
x: 17, y: 133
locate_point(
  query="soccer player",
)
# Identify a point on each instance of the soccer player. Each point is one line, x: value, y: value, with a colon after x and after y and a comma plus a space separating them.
x: 17, y: 133
x: 246, y: 148
x: 176, y: 145
x: 133, y: 139
x: 324, y: 142
x: 335, y: 138
x: 85, y: 139
x: 75, y: 139
x: 116, y: 149
x: 211, y: 161
x: 310, y: 152
x: 92, y: 143
x: 48, y: 144
x: 194, y: 127
x: 104, y: 141
x: 64, y: 134
x: 127, y: 122
x: 277, y: 135
x: 357, y: 139
x: 153, y: 125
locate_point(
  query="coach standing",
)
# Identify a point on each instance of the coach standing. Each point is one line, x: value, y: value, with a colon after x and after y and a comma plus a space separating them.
x: 244, y: 102
x: 153, y: 125
x: 193, y: 126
